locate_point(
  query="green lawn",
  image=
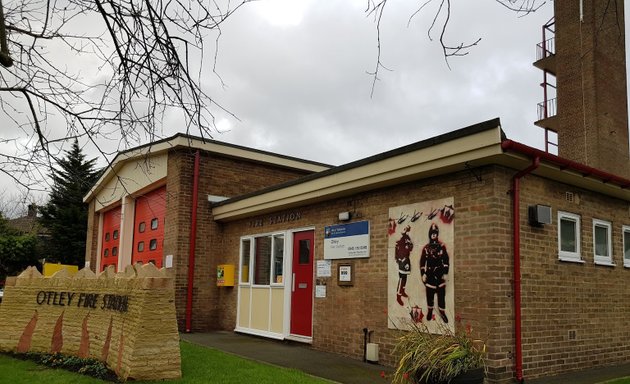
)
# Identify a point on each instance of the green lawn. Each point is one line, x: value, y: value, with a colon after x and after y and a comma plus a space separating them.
x: 624, y: 380
x: 199, y: 365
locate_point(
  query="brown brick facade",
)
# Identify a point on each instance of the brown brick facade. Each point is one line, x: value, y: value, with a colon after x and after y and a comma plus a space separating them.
x: 556, y: 296
x: 591, y: 83
x: 219, y: 176
x: 560, y: 298
x: 482, y: 268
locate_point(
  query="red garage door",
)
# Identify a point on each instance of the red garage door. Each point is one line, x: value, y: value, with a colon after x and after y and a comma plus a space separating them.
x: 148, y: 233
x: 110, y: 238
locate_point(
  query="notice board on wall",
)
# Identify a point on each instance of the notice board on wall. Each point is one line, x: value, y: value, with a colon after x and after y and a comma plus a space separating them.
x: 347, y: 241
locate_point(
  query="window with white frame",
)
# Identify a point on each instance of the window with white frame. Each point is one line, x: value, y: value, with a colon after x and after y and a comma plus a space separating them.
x: 626, y: 245
x: 261, y: 262
x: 264, y: 257
x: 278, y: 259
x: 569, y: 236
x: 244, y: 265
x: 602, y: 242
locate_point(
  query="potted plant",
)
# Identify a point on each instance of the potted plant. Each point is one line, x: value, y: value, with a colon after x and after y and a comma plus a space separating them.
x: 451, y: 356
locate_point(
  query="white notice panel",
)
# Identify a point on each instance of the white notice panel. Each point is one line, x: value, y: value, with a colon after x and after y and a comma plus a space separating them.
x: 324, y: 268
x: 347, y: 241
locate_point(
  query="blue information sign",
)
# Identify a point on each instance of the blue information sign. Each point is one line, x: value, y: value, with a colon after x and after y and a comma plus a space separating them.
x: 347, y: 241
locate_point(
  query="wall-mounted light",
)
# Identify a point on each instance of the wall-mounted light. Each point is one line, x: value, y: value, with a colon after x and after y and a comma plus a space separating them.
x: 344, y: 216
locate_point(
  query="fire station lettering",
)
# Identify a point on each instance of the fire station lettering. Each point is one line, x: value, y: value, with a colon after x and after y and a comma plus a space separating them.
x: 55, y: 298
x: 276, y: 219
x: 111, y: 302
x: 126, y: 319
x: 115, y: 303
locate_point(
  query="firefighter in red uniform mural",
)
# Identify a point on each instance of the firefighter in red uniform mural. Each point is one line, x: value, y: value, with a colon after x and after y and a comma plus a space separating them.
x: 404, y: 246
x: 433, y: 267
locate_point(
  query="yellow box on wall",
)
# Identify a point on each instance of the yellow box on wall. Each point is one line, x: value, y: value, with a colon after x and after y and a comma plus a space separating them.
x: 50, y: 268
x: 225, y: 275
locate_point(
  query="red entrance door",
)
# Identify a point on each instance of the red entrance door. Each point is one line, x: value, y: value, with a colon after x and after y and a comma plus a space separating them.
x: 302, y: 287
x: 110, y: 238
x: 148, y: 234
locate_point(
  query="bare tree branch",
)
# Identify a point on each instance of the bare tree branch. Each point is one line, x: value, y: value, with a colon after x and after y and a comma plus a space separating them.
x: 5, y: 57
x: 441, y: 18
x: 148, y: 55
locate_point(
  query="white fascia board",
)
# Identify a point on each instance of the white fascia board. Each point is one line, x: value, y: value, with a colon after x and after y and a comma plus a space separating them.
x: 209, y: 146
x: 425, y: 162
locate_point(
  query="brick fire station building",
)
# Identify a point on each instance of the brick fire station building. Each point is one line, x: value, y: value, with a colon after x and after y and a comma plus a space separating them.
x: 533, y: 249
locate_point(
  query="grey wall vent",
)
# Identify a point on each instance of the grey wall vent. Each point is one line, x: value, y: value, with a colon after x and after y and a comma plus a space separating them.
x: 539, y: 215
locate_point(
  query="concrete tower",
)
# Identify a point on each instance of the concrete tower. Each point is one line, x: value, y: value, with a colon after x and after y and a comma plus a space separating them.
x: 584, y: 67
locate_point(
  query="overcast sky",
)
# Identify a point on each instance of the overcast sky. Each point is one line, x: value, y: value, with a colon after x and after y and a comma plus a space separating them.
x: 295, y: 74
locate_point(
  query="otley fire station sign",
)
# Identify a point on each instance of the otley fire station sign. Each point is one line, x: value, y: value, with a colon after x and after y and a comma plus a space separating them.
x: 347, y: 241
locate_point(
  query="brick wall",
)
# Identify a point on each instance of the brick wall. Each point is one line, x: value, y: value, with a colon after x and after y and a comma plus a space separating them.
x: 218, y: 176
x: 126, y: 320
x: 482, y: 265
x: 556, y: 296
x: 591, y: 83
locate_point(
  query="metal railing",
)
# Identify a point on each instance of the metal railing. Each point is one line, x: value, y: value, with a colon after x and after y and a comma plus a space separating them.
x: 546, y: 48
x: 548, y: 108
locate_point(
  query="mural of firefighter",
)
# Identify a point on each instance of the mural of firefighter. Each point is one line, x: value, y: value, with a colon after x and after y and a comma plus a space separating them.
x: 434, y: 263
x: 403, y: 249
x: 420, y: 266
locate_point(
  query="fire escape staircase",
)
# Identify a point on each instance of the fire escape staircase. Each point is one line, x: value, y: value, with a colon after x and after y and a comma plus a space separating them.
x: 546, y: 61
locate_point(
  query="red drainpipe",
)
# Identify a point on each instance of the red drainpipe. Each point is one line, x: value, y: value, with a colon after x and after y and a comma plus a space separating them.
x: 516, y: 227
x: 193, y: 242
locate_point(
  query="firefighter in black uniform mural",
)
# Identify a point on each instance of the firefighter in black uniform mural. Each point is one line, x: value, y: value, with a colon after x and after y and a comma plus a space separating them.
x: 404, y: 246
x: 433, y: 267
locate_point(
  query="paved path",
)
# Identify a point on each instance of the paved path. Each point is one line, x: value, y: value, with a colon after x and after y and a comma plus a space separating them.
x: 330, y: 366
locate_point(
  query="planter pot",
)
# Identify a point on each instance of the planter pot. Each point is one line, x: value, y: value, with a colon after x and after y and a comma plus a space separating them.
x: 473, y: 376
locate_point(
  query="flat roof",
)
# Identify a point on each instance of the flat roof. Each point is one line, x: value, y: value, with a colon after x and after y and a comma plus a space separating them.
x: 439, y: 154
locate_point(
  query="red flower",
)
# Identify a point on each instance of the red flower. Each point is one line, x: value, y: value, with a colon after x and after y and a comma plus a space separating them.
x: 468, y: 329
x: 406, y: 375
x: 383, y: 374
x: 458, y: 318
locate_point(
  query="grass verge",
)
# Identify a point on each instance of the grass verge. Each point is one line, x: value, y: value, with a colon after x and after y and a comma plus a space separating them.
x: 199, y: 365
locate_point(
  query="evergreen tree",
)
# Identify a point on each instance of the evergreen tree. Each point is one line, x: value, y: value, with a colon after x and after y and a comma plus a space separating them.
x: 65, y: 215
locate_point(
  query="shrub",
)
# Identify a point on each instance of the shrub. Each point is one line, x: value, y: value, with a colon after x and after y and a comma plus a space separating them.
x: 90, y: 367
x: 429, y: 358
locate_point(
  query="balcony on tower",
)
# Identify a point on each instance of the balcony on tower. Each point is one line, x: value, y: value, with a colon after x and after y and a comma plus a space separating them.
x: 546, y: 61
x: 546, y: 49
